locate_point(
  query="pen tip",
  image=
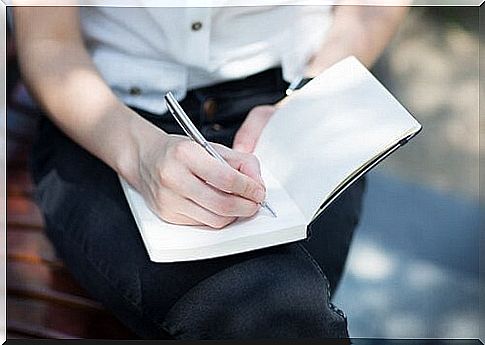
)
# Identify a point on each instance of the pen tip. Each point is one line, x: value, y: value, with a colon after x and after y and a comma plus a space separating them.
x: 269, y: 208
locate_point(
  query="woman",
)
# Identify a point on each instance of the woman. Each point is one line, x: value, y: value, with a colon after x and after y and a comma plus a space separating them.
x: 100, y: 74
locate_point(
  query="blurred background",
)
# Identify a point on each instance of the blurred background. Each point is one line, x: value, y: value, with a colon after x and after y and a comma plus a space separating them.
x: 413, y: 270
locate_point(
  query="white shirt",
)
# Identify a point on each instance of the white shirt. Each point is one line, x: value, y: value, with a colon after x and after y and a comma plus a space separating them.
x: 144, y: 52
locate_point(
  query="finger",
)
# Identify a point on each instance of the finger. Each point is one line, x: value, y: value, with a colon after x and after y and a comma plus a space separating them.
x: 248, y: 134
x: 226, y: 178
x: 246, y: 163
x: 191, y: 210
x: 180, y: 219
x: 164, y: 204
x: 187, y: 185
x: 218, y: 202
x: 244, y: 141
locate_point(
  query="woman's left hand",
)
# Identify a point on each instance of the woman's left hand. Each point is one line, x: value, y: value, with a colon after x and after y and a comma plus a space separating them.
x: 248, y: 134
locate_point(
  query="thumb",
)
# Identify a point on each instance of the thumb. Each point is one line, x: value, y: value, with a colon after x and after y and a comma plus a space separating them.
x: 248, y: 134
x: 245, y: 140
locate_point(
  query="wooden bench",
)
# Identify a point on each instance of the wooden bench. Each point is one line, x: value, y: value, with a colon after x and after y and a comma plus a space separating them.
x: 43, y: 300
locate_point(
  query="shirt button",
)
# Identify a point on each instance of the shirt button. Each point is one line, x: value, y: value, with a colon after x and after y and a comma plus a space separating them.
x: 135, y: 91
x: 196, y: 26
x: 210, y: 108
x: 216, y: 127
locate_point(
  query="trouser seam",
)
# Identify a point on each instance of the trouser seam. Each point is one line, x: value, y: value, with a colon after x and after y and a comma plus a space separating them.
x: 317, y: 266
x: 331, y: 306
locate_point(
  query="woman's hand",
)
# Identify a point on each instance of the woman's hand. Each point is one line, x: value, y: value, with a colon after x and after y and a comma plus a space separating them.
x: 183, y: 184
x: 248, y: 134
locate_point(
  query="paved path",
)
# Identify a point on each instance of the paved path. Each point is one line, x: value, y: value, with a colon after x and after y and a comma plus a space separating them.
x: 413, y: 267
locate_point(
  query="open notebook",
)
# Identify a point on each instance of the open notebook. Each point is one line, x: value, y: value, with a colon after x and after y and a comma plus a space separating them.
x: 328, y: 134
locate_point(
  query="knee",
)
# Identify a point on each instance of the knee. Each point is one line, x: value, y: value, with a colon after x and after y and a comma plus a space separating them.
x: 284, y: 309
x: 284, y: 298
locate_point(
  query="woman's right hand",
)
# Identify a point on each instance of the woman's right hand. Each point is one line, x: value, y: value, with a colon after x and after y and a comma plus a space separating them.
x: 183, y: 184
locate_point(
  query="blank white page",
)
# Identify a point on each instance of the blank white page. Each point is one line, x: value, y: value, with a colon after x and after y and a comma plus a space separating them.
x: 328, y: 129
x: 160, y: 236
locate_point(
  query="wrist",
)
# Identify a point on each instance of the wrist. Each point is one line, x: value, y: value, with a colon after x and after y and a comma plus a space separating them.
x: 344, y: 40
x: 141, y: 136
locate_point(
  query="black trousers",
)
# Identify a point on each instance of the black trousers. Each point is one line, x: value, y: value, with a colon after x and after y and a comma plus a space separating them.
x: 278, y: 292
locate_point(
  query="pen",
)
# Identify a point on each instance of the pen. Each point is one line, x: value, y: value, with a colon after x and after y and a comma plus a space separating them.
x: 296, y: 84
x: 193, y: 133
x: 293, y: 85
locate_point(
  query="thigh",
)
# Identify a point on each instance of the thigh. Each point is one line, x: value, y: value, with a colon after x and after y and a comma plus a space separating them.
x: 278, y: 292
x: 90, y: 225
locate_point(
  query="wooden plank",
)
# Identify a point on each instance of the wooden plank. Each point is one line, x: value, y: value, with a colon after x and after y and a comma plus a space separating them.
x: 47, y: 287
x: 45, y: 283
x: 22, y: 330
x: 19, y: 182
x: 18, y: 153
x: 48, y: 320
x: 12, y: 334
x: 23, y: 212
x: 42, y: 293
x: 22, y: 274
x: 30, y: 246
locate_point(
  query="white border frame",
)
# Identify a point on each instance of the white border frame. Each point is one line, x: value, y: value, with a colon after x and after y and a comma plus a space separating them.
x: 171, y: 3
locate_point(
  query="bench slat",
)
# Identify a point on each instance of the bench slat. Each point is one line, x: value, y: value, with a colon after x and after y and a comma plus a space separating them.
x: 28, y: 280
x: 39, y: 318
x: 23, y: 212
x: 31, y: 246
x: 19, y: 182
x: 22, y: 330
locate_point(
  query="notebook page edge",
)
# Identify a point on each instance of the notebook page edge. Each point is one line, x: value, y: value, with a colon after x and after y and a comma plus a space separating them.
x: 235, y: 246
x: 355, y: 67
x: 362, y: 170
x: 126, y: 191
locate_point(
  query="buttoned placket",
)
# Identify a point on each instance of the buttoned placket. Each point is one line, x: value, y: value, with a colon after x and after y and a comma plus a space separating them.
x: 198, y: 23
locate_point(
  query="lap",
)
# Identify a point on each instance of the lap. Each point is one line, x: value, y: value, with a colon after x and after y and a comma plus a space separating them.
x: 91, y: 227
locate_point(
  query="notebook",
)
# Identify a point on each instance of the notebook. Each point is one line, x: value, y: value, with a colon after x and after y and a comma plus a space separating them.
x: 324, y: 137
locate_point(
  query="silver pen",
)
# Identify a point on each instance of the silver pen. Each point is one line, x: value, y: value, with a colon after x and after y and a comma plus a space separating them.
x: 193, y: 133
x: 294, y: 84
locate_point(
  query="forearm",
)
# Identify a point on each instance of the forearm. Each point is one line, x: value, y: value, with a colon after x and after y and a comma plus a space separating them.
x: 362, y: 31
x: 60, y: 74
